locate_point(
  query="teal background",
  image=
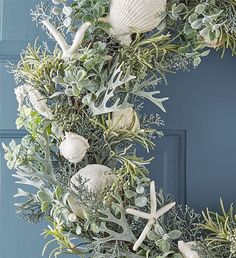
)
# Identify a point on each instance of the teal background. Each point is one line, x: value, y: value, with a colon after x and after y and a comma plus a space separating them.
x: 195, y: 160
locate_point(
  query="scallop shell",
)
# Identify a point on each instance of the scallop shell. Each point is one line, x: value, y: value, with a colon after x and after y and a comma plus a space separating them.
x: 125, y: 16
x: 39, y: 103
x: 74, y: 147
x: 125, y: 118
x: 186, y: 249
x: 97, y: 177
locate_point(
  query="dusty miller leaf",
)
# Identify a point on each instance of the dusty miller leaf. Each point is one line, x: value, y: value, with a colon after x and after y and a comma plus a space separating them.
x: 106, y: 99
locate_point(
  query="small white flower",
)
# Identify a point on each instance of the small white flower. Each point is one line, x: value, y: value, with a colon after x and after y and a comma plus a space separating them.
x: 67, y: 10
x: 74, y: 147
x: 125, y: 119
x: 186, y: 249
x: 97, y: 177
x: 72, y: 217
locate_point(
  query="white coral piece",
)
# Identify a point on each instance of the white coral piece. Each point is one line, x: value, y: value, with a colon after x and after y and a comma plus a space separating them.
x: 74, y: 147
x: 69, y: 52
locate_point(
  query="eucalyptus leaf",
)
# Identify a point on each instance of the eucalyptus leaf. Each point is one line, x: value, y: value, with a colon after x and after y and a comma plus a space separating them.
x: 129, y: 193
x: 44, y: 197
x: 197, y: 24
x: 159, y: 230
x: 141, y: 201
x: 140, y: 189
x: 199, y: 9
x: 163, y: 245
x: 175, y: 234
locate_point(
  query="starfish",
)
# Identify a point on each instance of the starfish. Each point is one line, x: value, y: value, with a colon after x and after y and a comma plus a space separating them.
x: 151, y: 217
x: 68, y: 52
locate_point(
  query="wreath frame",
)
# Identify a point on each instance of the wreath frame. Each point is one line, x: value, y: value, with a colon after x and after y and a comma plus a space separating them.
x: 81, y: 105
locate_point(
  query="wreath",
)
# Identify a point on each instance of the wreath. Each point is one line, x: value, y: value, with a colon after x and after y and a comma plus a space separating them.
x: 81, y: 101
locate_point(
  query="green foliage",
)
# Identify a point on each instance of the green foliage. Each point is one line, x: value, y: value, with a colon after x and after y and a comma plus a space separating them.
x: 185, y: 219
x: 220, y: 231
x: 64, y: 240
x: 37, y: 67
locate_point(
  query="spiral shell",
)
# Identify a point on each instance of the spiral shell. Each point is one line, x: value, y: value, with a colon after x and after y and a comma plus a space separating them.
x: 97, y: 177
x: 74, y: 147
x: 186, y: 249
x: 39, y: 103
x: 126, y: 119
x: 125, y: 16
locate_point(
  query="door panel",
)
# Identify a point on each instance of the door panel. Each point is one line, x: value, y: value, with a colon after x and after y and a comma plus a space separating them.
x: 168, y: 168
x: 202, y: 102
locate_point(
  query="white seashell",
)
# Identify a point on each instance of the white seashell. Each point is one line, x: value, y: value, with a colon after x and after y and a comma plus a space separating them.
x: 125, y: 118
x: 76, y: 207
x: 97, y: 177
x: 186, y: 249
x: 21, y: 92
x: 125, y: 16
x: 74, y: 147
x: 39, y: 103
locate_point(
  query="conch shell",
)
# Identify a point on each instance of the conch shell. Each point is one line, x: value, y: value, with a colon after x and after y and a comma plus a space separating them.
x: 74, y: 147
x: 128, y: 16
x: 97, y: 177
x: 126, y: 119
x: 37, y: 100
x: 39, y: 103
x: 186, y: 249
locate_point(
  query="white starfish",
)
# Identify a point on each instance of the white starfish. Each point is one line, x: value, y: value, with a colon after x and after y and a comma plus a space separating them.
x: 151, y: 217
x: 68, y: 51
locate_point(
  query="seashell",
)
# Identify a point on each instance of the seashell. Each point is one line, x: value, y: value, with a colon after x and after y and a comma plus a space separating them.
x: 39, y: 103
x: 21, y: 92
x: 186, y: 249
x: 74, y: 147
x: 125, y: 118
x: 76, y: 207
x: 125, y: 16
x: 97, y: 177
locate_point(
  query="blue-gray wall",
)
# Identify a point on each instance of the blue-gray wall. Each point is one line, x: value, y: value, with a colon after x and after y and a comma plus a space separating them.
x: 195, y: 160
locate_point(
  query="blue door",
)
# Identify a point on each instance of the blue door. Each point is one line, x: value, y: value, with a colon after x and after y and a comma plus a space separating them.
x: 195, y: 161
